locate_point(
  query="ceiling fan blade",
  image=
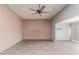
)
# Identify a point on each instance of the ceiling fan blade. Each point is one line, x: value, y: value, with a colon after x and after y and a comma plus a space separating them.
x: 40, y: 14
x: 44, y: 12
x: 34, y: 13
x: 32, y: 9
x: 42, y: 8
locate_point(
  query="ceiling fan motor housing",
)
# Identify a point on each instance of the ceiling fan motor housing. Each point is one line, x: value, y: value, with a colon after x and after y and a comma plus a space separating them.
x: 38, y: 11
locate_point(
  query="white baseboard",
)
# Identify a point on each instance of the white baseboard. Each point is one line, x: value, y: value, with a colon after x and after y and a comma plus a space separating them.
x: 75, y: 41
x: 10, y: 45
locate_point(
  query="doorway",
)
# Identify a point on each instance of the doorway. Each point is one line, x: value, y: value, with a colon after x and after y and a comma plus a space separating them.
x: 62, y: 31
x: 75, y: 32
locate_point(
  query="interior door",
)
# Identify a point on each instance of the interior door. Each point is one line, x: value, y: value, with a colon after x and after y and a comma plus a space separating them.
x: 62, y: 32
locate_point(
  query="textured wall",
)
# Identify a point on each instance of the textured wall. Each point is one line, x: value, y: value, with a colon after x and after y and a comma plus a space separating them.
x: 10, y: 28
x: 36, y: 30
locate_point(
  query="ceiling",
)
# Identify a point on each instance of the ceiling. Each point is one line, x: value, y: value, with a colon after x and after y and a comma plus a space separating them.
x: 22, y: 10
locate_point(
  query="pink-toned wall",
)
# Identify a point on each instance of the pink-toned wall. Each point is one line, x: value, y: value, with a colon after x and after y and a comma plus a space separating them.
x: 37, y: 30
x: 10, y: 28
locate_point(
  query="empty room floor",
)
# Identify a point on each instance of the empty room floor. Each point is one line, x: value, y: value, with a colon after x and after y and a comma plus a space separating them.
x: 43, y: 48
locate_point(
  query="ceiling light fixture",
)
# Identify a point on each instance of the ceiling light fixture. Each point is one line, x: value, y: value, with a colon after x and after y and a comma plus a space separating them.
x: 39, y: 10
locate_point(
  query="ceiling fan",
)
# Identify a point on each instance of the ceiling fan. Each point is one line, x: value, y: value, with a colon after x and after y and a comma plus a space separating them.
x: 39, y: 10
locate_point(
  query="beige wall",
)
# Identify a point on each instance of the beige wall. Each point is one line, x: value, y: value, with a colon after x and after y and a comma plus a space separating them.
x: 35, y: 30
x: 10, y: 28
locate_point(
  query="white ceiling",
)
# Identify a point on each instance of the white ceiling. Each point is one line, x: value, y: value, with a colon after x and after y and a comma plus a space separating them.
x: 23, y: 11
x: 71, y: 20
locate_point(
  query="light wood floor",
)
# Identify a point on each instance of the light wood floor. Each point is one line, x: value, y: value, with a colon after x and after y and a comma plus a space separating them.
x: 43, y: 48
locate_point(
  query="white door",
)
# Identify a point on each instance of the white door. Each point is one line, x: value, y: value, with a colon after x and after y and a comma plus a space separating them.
x: 62, y: 32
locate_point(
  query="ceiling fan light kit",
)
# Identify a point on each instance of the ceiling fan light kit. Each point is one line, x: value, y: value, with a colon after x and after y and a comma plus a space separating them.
x: 39, y: 10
